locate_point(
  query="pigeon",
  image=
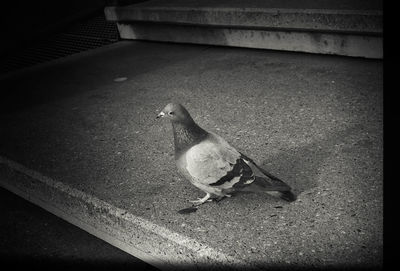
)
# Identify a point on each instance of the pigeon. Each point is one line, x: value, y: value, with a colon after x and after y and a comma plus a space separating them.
x: 211, y: 164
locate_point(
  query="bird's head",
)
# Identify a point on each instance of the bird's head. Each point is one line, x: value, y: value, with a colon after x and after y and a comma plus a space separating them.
x: 176, y: 113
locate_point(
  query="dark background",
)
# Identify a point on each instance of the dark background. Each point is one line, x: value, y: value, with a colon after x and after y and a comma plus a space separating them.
x: 23, y: 22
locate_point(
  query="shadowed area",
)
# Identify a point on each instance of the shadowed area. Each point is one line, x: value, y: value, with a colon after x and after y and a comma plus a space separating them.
x: 302, y: 166
x: 32, y: 237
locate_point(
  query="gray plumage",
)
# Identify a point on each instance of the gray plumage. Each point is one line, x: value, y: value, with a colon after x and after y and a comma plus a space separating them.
x: 212, y: 165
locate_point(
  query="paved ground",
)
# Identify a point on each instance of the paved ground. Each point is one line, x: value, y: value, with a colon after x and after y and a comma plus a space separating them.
x: 31, y: 236
x: 315, y: 121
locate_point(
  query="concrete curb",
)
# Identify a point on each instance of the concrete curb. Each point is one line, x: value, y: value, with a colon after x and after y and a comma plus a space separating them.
x: 309, y: 42
x: 340, y: 21
x: 139, y: 237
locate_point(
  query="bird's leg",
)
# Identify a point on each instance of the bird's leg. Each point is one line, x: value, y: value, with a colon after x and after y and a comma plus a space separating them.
x: 200, y: 201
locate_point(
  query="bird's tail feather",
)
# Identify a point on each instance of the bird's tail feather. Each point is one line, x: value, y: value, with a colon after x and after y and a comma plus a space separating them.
x: 273, y: 184
x: 266, y: 185
x: 287, y: 195
x: 259, y: 186
x: 266, y: 173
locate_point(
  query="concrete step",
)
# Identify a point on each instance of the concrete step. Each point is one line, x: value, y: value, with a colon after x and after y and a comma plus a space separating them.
x: 85, y: 145
x: 351, y: 29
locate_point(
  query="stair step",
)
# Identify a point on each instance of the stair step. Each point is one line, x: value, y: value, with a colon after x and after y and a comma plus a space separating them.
x: 332, y: 30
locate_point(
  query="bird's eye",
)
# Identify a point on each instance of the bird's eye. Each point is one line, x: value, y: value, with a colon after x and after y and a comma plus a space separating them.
x: 171, y: 113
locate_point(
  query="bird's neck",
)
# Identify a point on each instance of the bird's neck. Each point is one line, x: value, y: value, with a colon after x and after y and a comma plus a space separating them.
x: 186, y: 135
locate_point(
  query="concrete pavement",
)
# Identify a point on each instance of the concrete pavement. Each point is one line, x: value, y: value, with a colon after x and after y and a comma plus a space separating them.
x: 314, y: 121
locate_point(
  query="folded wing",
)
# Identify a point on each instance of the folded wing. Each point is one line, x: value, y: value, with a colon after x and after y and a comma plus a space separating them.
x: 213, y: 162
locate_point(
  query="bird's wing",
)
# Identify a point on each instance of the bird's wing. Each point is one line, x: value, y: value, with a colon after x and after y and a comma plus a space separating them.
x: 263, y: 179
x: 214, y: 162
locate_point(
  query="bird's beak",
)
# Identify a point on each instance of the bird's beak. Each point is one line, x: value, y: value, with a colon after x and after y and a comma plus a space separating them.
x: 162, y: 114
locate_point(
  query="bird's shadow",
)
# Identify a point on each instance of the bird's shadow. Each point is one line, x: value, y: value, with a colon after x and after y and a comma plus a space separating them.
x: 300, y: 167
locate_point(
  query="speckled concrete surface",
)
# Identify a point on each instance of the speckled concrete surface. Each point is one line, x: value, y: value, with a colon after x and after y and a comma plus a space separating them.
x: 304, y: 4
x: 314, y: 121
x: 361, y: 17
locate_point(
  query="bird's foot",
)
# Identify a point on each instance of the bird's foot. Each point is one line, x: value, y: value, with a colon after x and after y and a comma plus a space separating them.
x: 200, y: 201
